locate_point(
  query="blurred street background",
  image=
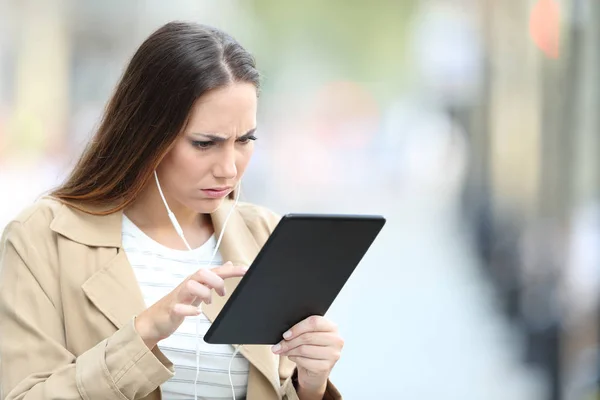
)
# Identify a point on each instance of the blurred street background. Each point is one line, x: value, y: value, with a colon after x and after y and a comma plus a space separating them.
x: 472, y: 125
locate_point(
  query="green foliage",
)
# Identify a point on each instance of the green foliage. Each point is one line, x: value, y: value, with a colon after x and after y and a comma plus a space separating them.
x: 364, y: 40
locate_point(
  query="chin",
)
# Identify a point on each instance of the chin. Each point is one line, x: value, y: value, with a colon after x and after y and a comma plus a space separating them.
x: 207, y: 206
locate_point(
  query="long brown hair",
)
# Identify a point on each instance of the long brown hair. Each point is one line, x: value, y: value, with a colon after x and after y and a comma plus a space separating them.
x: 173, y: 67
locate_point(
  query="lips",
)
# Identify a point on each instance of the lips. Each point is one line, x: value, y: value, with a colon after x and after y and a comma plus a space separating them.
x: 217, y: 193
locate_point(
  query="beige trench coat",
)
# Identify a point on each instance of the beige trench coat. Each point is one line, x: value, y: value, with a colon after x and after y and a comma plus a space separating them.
x: 68, y: 298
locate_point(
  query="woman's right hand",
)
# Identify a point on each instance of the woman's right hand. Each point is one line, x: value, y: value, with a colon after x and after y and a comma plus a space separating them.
x: 162, y: 319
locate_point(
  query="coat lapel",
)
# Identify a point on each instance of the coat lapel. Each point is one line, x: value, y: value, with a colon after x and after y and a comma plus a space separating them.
x: 114, y: 289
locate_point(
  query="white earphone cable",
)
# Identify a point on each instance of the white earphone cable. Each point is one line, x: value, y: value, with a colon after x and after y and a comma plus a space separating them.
x: 237, y: 350
x: 180, y: 233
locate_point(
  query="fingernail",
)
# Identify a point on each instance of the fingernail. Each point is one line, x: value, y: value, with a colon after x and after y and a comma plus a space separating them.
x: 287, y: 335
x: 276, y: 348
x: 245, y: 268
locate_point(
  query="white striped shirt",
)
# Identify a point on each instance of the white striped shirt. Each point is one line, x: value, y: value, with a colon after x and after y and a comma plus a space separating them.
x: 159, y: 270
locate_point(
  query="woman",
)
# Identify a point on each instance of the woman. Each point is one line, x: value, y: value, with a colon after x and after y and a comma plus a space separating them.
x: 98, y: 293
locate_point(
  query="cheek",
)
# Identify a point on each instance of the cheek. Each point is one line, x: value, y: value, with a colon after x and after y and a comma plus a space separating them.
x: 181, y: 162
x: 244, y: 159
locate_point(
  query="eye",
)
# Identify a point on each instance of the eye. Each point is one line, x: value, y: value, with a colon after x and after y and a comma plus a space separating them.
x: 246, y: 139
x: 202, y: 144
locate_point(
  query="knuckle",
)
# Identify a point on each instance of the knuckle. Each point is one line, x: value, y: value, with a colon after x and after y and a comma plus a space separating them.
x: 313, y: 321
x: 201, y: 274
x: 202, y: 292
x: 303, y: 339
x: 172, y: 309
x: 215, y: 279
x: 337, y: 355
x: 189, y: 285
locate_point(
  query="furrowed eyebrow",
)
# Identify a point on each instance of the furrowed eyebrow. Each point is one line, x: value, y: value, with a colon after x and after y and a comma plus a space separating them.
x: 249, y: 133
x: 217, y: 138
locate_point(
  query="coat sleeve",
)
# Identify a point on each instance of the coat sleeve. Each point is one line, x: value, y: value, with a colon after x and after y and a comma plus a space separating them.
x: 287, y: 373
x: 34, y: 360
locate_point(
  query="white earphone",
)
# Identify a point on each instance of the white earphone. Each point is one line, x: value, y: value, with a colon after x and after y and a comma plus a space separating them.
x: 180, y: 233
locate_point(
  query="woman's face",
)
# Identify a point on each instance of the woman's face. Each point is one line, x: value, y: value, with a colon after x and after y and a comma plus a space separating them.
x: 209, y: 158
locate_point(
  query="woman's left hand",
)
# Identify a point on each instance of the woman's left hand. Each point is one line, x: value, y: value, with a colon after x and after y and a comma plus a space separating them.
x: 315, y: 346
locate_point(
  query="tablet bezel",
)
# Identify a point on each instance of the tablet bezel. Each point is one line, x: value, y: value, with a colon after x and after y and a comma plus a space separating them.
x: 212, y: 333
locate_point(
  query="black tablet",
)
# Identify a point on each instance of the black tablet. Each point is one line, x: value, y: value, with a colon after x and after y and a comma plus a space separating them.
x: 298, y: 273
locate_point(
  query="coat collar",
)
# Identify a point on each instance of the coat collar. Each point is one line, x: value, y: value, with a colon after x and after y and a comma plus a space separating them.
x: 114, y: 289
x: 238, y: 244
x: 88, y: 229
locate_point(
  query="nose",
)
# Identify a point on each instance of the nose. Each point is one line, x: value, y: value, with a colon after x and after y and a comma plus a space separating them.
x: 225, y: 167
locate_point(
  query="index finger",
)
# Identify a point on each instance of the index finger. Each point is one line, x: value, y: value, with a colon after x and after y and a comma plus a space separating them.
x: 228, y: 270
x: 315, y: 323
